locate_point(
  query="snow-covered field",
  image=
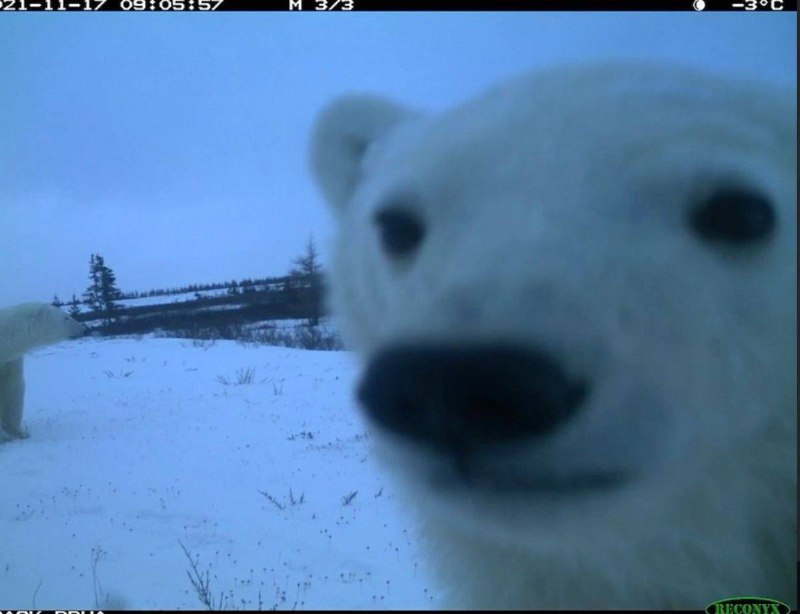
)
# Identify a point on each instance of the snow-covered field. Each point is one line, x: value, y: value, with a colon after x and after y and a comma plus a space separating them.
x: 139, y: 446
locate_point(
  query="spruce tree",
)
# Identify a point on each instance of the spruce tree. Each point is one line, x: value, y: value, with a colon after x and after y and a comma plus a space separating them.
x: 102, y: 292
x: 308, y: 270
x: 74, y: 310
x: 92, y: 295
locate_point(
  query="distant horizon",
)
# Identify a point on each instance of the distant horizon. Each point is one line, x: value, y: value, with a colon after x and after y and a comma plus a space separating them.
x: 182, y: 288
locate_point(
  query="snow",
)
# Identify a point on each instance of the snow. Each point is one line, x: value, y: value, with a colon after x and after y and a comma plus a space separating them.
x: 177, y: 297
x: 192, y: 295
x: 138, y: 446
x: 165, y: 299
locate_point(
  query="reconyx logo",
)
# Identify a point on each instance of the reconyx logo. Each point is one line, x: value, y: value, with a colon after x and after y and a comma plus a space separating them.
x: 747, y: 605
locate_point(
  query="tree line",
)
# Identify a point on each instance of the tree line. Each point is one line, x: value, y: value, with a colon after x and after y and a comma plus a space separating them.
x: 102, y: 294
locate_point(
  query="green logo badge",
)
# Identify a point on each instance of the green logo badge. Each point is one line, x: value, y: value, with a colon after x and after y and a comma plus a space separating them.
x: 747, y: 605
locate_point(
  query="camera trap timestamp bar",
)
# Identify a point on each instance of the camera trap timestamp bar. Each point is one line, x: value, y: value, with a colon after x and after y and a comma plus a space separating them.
x: 396, y: 5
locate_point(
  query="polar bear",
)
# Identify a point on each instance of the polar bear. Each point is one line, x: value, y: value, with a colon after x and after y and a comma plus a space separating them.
x: 575, y: 303
x: 23, y: 328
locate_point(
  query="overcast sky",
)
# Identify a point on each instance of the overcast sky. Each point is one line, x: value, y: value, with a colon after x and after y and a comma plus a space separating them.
x: 175, y: 144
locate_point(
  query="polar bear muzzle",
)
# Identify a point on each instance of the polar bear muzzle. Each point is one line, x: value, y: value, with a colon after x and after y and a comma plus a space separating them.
x: 456, y: 398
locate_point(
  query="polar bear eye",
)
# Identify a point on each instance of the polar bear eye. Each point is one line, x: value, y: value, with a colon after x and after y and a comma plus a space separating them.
x: 733, y: 215
x: 401, y: 231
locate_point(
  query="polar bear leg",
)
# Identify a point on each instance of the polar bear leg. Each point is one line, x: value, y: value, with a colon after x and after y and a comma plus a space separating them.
x: 12, y: 394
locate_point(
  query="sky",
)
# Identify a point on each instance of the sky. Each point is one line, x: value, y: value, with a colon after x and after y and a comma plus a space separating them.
x: 175, y: 145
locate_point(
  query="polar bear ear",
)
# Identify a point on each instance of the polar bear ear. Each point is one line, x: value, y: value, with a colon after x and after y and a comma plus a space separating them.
x: 340, y: 138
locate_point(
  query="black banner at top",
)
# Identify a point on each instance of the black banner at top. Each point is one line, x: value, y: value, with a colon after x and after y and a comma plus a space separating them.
x: 200, y: 6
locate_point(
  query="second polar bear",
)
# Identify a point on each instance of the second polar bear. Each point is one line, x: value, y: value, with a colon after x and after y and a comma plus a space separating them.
x: 575, y: 301
x: 23, y: 328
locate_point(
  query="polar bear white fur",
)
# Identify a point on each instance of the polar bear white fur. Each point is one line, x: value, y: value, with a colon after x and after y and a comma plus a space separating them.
x: 634, y: 222
x: 23, y: 328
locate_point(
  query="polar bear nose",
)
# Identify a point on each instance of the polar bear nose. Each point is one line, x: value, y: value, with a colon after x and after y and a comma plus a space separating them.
x: 463, y: 396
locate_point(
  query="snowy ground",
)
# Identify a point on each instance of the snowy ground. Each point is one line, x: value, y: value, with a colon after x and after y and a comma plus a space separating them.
x: 139, y: 446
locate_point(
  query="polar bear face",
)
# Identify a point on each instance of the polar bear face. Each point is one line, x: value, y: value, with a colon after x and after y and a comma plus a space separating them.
x: 575, y: 300
x: 49, y: 324
x: 28, y: 326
